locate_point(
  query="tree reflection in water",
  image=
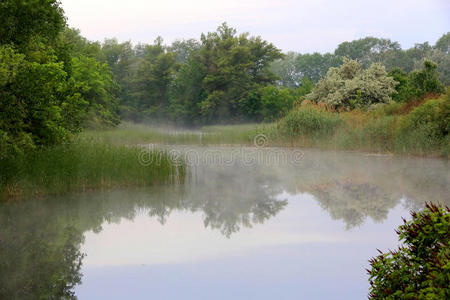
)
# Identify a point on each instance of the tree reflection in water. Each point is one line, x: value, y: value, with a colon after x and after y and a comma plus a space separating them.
x: 40, y: 239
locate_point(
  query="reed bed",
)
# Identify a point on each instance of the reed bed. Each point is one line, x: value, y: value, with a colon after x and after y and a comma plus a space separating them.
x: 83, y: 165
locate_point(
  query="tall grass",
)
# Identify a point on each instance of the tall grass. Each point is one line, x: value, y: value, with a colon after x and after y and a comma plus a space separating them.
x: 85, y: 165
x: 308, y: 125
x: 130, y: 133
x: 396, y: 128
x: 419, y: 127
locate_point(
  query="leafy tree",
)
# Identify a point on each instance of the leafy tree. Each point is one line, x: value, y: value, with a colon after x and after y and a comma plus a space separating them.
x: 315, y: 66
x: 27, y: 22
x: 420, y: 268
x: 432, y: 117
x: 123, y: 63
x: 79, y: 45
x: 351, y: 86
x: 442, y: 62
x: 93, y: 81
x: 286, y: 70
x: 186, y: 93
x: 293, y: 68
x: 403, y: 92
x: 151, y: 82
x: 183, y: 49
x: 34, y: 101
x: 443, y: 44
x: 234, y: 65
x: 366, y: 51
x: 276, y: 102
x: 425, y: 81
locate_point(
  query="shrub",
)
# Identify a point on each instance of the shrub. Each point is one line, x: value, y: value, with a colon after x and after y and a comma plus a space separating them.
x: 403, y: 91
x: 276, y: 102
x: 350, y: 86
x: 420, y: 269
x: 432, y: 116
x: 425, y: 81
x: 309, y: 120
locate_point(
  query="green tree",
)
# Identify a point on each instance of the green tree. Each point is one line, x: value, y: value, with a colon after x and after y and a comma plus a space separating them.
x: 367, y: 50
x: 276, y: 102
x: 425, y: 81
x: 186, y: 92
x: 350, y: 86
x: 34, y: 101
x: 402, y: 88
x: 234, y: 65
x: 38, y: 106
x: 295, y: 67
x: 27, y: 22
x: 443, y: 44
x: 183, y: 49
x: 151, y: 81
x: 93, y: 81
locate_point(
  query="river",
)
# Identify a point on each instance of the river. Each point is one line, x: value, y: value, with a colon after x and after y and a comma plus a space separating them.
x: 248, y: 223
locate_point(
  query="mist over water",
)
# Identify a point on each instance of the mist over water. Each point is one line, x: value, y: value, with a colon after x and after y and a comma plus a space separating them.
x: 245, y: 225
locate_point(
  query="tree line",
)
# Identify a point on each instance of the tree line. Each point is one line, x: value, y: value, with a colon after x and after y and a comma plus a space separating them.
x: 296, y: 66
x: 54, y: 82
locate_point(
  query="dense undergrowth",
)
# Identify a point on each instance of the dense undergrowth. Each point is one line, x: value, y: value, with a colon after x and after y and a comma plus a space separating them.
x: 394, y: 128
x: 83, y: 165
x: 419, y: 127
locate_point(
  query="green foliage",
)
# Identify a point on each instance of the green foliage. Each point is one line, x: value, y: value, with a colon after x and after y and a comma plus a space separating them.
x: 85, y: 164
x: 433, y: 117
x: 276, y: 102
x: 309, y: 121
x: 443, y: 44
x: 367, y: 50
x: 403, y: 91
x: 350, y: 86
x: 27, y: 22
x: 233, y: 65
x: 186, y: 93
x: 93, y: 81
x: 46, y: 92
x: 425, y: 81
x: 184, y: 49
x: 33, y: 101
x: 151, y: 81
x: 420, y: 268
x: 295, y: 66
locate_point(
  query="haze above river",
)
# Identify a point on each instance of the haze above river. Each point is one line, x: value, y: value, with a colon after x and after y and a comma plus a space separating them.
x: 249, y: 223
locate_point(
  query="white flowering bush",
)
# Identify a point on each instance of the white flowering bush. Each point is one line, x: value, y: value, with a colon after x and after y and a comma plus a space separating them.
x: 350, y: 86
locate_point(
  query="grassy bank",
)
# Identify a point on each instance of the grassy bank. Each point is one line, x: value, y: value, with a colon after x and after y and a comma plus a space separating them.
x: 419, y: 129
x: 83, y: 165
x: 132, y: 134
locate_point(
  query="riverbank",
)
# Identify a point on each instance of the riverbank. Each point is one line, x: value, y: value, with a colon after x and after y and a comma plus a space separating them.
x: 419, y: 129
x: 83, y: 165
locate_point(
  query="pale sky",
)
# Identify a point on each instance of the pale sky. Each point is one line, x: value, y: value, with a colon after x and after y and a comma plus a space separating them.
x: 302, y: 25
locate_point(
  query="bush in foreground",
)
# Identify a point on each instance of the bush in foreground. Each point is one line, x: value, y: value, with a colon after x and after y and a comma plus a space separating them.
x: 420, y: 268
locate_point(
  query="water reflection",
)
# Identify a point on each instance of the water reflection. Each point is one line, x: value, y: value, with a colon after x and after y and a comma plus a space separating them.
x: 40, y: 239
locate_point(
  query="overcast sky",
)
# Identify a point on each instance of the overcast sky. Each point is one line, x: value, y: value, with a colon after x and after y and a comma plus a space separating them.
x: 302, y: 25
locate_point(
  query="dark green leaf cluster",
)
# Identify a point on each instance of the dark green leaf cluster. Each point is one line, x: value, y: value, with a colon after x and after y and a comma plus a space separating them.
x: 48, y: 88
x: 418, y: 83
x: 420, y: 268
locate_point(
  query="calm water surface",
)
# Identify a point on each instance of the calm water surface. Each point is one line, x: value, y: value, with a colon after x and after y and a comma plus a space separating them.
x: 248, y: 224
